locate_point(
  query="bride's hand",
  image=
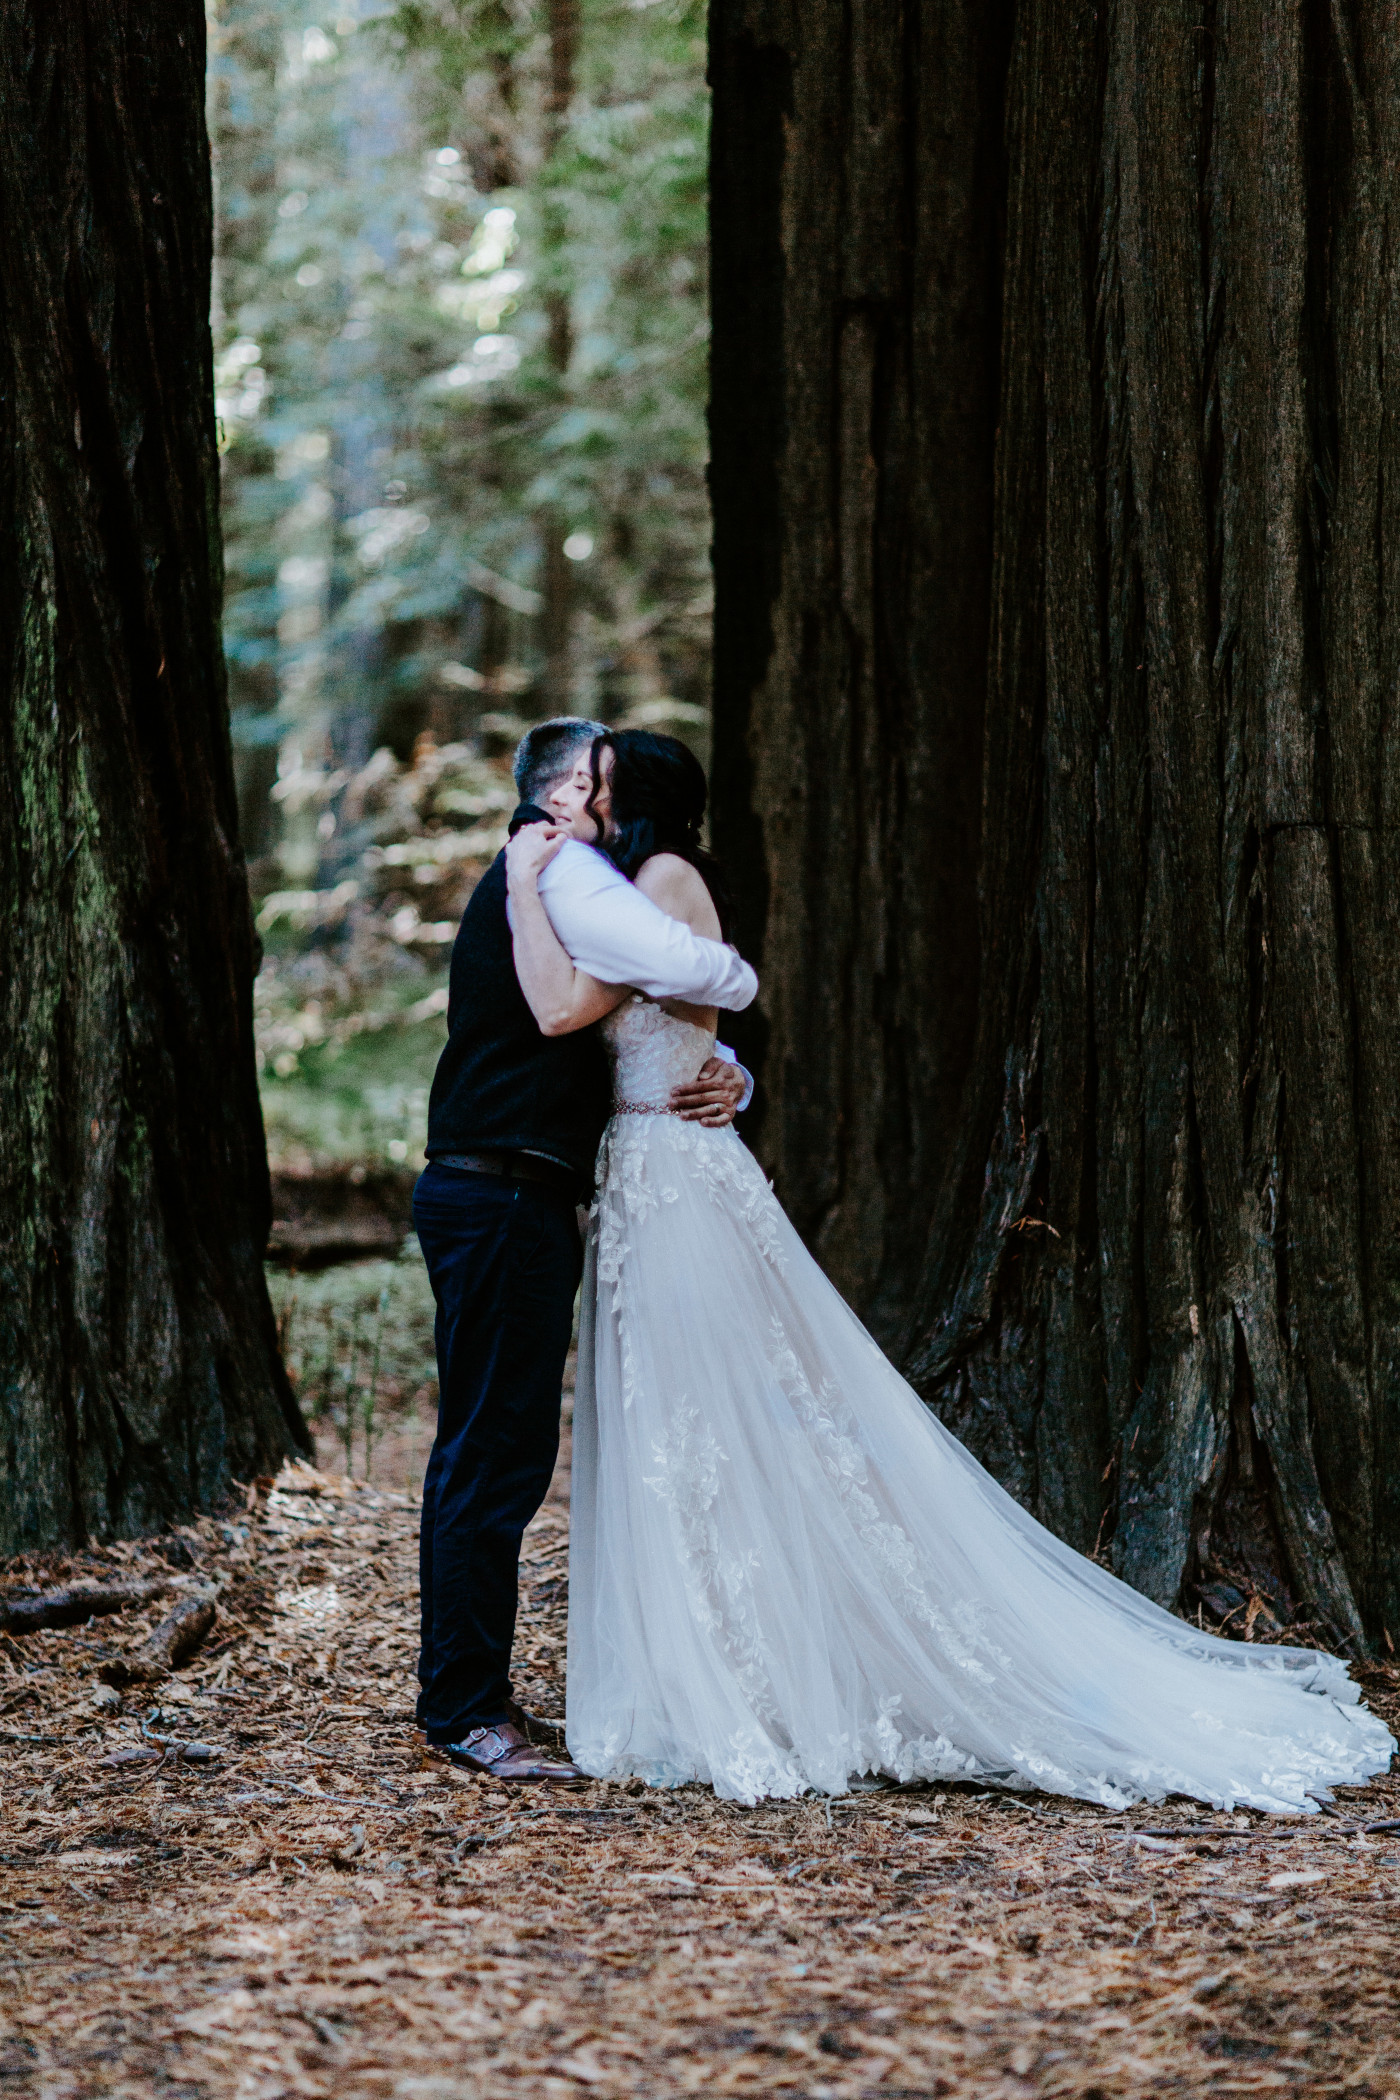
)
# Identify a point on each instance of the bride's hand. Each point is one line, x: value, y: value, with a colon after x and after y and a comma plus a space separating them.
x: 533, y: 847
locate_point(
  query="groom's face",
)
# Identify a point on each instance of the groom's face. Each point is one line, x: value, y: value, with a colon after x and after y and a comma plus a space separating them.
x: 567, y: 800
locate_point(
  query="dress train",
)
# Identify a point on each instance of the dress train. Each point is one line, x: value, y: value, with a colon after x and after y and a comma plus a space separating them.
x: 786, y: 1572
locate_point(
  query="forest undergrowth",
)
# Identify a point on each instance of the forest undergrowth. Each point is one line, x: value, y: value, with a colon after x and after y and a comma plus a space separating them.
x: 249, y: 1878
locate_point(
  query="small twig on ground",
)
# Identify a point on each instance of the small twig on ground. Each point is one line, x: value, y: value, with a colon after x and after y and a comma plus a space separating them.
x: 177, y: 1636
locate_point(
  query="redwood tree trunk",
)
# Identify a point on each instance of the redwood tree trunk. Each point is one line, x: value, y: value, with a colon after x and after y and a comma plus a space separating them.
x: 855, y: 199
x: 1161, y: 1295
x: 138, y: 1359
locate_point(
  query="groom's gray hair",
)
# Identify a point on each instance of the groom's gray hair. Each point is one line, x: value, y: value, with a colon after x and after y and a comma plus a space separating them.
x: 548, y: 751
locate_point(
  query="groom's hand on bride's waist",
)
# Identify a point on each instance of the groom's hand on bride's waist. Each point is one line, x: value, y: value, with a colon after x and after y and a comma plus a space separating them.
x: 713, y: 1096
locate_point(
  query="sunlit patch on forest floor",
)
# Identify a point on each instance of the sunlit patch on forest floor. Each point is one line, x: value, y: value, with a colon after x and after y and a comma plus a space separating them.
x: 324, y: 1908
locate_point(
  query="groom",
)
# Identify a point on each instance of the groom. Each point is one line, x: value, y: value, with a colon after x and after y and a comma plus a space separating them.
x: 514, y: 1123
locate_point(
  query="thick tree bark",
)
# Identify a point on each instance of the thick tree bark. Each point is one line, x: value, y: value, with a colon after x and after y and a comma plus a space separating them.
x: 138, y: 1358
x: 1161, y: 1297
x: 855, y: 209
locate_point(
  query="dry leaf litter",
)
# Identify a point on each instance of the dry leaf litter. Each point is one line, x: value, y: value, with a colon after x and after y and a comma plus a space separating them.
x: 248, y: 1877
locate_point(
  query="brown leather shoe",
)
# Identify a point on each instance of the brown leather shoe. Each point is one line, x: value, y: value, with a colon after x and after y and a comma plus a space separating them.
x: 504, y: 1752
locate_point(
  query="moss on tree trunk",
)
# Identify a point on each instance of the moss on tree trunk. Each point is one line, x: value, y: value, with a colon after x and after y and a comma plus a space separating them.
x: 138, y: 1360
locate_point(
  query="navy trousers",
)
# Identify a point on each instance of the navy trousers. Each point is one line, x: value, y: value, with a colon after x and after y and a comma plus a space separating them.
x: 505, y: 1259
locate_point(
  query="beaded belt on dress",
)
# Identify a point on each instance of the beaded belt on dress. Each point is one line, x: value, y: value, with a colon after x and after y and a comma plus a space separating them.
x: 642, y: 1108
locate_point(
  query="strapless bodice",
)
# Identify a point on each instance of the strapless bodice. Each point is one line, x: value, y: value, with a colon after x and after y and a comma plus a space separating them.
x: 651, y: 1052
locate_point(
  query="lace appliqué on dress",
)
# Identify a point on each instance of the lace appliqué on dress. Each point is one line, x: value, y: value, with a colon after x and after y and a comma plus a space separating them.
x: 787, y: 1571
x: 720, y: 1587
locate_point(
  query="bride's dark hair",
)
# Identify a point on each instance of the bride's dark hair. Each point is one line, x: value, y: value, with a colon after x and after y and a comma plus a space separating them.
x: 658, y: 805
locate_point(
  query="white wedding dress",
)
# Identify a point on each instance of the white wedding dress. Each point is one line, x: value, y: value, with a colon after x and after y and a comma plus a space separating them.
x: 785, y: 1572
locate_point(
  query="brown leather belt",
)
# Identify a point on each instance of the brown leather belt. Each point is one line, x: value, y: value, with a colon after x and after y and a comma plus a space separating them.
x: 512, y: 1166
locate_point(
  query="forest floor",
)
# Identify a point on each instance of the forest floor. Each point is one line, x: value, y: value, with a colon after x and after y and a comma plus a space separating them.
x: 324, y: 1908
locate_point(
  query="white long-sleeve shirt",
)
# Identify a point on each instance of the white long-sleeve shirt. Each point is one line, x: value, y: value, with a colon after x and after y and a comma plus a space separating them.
x: 614, y: 933
x: 619, y: 936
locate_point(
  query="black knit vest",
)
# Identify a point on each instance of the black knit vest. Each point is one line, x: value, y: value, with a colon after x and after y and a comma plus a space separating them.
x: 501, y: 1086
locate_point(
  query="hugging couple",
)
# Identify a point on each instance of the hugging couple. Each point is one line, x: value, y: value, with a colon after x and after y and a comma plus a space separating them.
x: 784, y: 1572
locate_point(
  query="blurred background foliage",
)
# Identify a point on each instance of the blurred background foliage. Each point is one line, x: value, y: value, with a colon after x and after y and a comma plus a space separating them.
x: 460, y: 337
x: 357, y: 1340
x: 460, y: 329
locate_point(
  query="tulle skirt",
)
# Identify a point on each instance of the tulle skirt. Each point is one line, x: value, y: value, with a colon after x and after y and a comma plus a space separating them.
x: 784, y: 1572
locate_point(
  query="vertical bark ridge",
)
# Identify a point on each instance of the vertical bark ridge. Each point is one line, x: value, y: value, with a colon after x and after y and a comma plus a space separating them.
x: 1072, y: 1430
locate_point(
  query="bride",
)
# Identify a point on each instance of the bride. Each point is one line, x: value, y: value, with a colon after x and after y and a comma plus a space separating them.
x: 784, y: 1571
